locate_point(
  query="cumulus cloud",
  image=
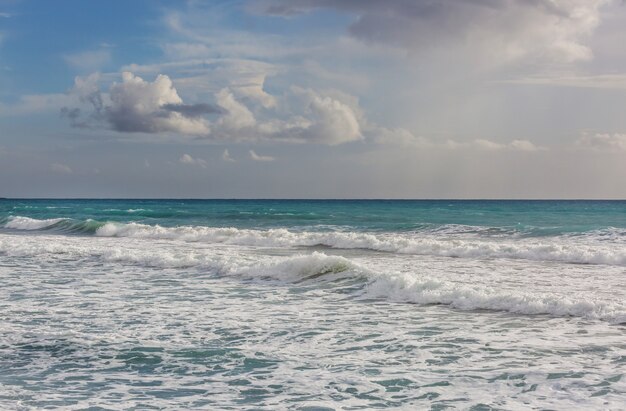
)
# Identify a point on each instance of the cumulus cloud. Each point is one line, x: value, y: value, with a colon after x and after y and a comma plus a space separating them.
x: 192, y: 110
x: 237, y: 116
x: 60, y: 168
x: 333, y: 121
x: 604, y: 142
x: 298, y: 116
x: 254, y: 156
x: 507, y: 30
x: 136, y: 105
x: 189, y: 160
x: 226, y: 156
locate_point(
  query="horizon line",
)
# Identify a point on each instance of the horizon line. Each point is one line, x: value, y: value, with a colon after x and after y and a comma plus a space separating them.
x: 311, y: 199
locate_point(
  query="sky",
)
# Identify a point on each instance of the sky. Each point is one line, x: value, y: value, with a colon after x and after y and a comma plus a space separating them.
x: 313, y: 99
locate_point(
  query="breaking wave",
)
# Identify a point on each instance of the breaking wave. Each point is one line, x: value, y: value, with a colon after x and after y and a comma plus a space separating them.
x: 318, y: 268
x: 61, y: 225
x: 409, y: 289
x: 582, y: 249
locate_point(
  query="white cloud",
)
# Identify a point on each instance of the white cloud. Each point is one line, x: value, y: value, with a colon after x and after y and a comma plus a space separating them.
x: 187, y: 159
x: 395, y: 136
x: 88, y: 60
x: 404, y: 137
x: 524, y: 145
x: 298, y: 116
x: 515, y: 145
x: 604, y: 142
x: 226, y: 156
x: 237, y: 116
x: 60, y: 168
x: 136, y: 105
x: 488, y: 145
x: 254, y: 156
x: 334, y: 121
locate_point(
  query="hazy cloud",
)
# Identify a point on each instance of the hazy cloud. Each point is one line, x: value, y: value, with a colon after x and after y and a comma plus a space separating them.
x: 507, y: 30
x: 601, y: 81
x: 488, y: 145
x: 403, y: 137
x: 187, y: 159
x: 524, y: 145
x: 34, y: 103
x: 608, y: 142
x: 60, y: 168
x: 254, y: 156
x: 88, y: 60
x: 226, y: 156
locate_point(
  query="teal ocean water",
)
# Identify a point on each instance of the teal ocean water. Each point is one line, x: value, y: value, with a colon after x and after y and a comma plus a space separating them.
x: 299, y: 304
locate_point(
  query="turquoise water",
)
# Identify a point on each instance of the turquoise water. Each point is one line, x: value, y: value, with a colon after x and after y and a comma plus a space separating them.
x: 312, y: 305
x: 528, y: 217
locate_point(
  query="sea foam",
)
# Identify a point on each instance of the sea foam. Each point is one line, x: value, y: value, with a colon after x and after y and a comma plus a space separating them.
x: 591, y: 248
x: 560, y: 249
x: 374, y: 282
x: 26, y: 223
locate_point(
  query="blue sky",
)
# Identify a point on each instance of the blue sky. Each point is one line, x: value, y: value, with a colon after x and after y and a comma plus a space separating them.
x: 313, y: 98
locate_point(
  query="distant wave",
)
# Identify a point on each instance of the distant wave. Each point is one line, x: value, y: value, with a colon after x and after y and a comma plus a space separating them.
x: 62, y: 225
x: 26, y: 223
x: 591, y: 248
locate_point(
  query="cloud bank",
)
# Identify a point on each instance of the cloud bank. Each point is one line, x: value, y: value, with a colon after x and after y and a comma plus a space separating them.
x: 139, y: 106
x: 603, y: 142
x: 506, y: 30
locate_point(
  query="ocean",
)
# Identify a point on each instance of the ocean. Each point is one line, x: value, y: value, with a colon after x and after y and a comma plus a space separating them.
x: 312, y: 305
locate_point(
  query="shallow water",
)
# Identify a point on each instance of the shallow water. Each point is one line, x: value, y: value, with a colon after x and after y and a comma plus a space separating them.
x: 336, y: 313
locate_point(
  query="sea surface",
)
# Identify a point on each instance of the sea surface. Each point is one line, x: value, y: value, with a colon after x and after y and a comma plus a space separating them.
x: 312, y: 305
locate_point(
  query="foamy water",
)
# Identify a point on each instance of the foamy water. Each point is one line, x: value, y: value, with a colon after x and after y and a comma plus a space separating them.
x: 123, y: 314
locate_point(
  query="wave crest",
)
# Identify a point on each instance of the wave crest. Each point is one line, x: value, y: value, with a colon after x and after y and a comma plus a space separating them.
x: 411, y: 289
x: 594, y: 248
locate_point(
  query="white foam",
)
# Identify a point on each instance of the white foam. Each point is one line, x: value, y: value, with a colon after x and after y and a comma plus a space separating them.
x: 587, y: 250
x: 26, y: 223
x: 389, y: 278
x: 302, y: 267
x: 412, y: 289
